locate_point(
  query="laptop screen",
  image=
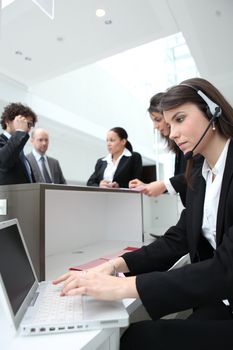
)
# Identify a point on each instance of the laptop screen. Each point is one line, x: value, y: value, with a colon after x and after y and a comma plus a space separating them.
x: 15, y: 268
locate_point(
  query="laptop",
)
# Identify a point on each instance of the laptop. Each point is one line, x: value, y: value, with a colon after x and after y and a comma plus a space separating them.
x: 38, y: 308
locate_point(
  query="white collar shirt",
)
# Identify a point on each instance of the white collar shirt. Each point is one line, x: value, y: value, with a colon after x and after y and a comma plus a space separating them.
x: 7, y: 134
x: 212, y: 195
x: 111, y: 167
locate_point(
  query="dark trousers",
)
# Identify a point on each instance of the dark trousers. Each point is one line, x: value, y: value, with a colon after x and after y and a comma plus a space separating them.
x: 209, y: 327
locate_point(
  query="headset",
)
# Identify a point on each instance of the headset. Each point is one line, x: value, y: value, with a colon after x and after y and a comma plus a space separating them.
x: 213, y: 112
x: 212, y: 109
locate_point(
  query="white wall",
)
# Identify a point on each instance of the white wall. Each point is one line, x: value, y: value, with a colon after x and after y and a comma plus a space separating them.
x: 96, y: 97
x: 76, y: 141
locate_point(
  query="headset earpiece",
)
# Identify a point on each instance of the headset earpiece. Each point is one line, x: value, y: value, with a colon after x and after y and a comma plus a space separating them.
x: 212, y: 109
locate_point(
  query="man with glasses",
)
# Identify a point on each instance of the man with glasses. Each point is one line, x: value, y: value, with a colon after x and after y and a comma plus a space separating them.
x: 16, y: 121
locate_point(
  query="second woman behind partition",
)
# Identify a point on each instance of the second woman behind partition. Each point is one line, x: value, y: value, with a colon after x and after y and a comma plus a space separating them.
x: 121, y: 164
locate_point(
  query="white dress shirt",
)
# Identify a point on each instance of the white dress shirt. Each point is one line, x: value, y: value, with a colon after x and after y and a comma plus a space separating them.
x: 212, y: 195
x: 169, y: 187
x: 111, y: 168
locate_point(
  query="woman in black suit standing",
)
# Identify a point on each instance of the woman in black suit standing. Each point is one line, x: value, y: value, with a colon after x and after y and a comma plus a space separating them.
x: 121, y: 164
x: 201, y: 122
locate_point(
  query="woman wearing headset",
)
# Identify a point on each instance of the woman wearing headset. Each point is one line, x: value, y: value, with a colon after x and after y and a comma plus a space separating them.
x: 201, y: 122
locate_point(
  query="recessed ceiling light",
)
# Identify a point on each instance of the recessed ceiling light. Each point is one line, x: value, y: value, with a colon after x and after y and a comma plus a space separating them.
x: 100, y: 12
x: 6, y: 3
x: 108, y: 21
x: 18, y: 52
x: 28, y: 58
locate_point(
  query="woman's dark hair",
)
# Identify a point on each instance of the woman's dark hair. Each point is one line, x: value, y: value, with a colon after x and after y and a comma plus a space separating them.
x: 186, y: 92
x: 13, y: 109
x: 155, y: 102
x: 154, y: 107
x: 123, y: 136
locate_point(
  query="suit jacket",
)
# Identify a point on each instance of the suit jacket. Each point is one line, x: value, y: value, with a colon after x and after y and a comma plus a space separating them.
x: 54, y: 166
x: 209, y: 278
x: 179, y: 181
x: 12, y: 168
x: 129, y: 168
x: 180, y: 163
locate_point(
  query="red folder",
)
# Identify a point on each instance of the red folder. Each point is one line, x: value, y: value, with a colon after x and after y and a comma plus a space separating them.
x: 102, y: 260
x: 88, y: 265
x: 118, y: 253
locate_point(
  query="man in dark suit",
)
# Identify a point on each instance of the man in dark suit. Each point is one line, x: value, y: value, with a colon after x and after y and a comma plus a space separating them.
x: 16, y: 122
x: 45, y: 169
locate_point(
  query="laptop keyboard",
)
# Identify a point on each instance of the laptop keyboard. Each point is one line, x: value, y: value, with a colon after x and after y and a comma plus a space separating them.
x: 54, y: 308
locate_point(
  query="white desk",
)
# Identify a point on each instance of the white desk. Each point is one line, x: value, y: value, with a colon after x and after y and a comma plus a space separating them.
x: 106, y: 339
x: 57, y: 264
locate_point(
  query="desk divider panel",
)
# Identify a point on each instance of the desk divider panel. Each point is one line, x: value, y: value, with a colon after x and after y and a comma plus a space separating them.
x: 78, y: 218
x: 124, y: 217
x: 60, y: 218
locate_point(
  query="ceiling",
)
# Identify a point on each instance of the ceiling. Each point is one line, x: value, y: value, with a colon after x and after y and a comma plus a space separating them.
x: 76, y: 37
x: 48, y: 49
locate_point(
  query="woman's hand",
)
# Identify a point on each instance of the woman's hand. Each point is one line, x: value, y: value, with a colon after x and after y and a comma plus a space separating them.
x: 135, y: 183
x: 108, y: 184
x: 97, y: 285
x: 154, y: 188
x: 114, y: 185
x: 104, y: 184
x: 111, y: 267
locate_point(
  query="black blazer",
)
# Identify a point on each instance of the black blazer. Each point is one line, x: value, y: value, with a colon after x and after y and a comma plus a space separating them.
x: 179, y: 181
x: 12, y: 169
x: 207, y: 279
x: 129, y: 168
x: 180, y: 163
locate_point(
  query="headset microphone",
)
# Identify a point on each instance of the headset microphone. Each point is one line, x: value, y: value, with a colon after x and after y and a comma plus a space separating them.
x: 189, y: 154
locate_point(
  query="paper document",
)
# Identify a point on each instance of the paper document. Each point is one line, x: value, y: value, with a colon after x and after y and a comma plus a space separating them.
x: 184, y: 260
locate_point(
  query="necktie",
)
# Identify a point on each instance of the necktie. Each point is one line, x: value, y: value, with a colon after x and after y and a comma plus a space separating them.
x: 45, y: 171
x: 26, y: 165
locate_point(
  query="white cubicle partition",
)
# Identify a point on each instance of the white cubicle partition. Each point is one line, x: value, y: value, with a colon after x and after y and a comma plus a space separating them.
x: 160, y: 213
x: 61, y: 219
x: 74, y: 219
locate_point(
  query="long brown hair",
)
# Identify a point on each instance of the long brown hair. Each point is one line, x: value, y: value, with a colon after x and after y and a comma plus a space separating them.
x: 154, y: 107
x: 186, y: 92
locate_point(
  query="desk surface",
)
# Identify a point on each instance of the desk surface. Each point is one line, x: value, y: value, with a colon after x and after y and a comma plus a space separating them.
x: 59, y: 263
x: 86, y: 340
